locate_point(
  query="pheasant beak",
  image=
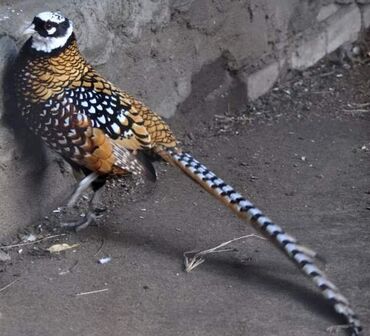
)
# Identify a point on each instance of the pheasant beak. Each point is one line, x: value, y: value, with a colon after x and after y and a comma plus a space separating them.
x: 30, y: 30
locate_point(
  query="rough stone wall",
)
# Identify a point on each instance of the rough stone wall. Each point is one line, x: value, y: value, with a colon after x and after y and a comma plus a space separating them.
x: 176, y: 55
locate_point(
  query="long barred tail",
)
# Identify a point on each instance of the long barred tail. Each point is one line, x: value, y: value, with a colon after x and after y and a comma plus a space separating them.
x: 301, y: 256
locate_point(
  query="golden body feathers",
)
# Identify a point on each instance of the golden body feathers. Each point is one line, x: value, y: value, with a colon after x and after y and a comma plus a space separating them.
x: 85, y: 117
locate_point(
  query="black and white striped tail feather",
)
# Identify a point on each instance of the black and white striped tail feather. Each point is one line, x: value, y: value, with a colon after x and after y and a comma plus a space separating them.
x: 300, y: 255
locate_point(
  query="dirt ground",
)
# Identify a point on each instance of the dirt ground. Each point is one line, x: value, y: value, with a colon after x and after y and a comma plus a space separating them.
x: 301, y: 154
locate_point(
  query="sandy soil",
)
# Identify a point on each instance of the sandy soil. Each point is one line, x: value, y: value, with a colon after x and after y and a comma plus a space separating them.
x: 300, y: 153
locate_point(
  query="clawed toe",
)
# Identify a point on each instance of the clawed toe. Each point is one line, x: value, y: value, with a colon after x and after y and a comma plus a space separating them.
x: 94, y: 211
x: 83, y: 223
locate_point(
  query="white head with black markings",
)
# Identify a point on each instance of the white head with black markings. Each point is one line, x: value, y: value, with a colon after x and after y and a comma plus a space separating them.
x: 50, y: 31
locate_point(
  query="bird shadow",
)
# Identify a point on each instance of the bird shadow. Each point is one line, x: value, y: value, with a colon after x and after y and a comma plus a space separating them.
x: 228, y: 267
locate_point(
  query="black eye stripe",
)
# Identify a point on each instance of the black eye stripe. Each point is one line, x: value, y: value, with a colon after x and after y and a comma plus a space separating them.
x: 43, y: 27
x: 42, y: 24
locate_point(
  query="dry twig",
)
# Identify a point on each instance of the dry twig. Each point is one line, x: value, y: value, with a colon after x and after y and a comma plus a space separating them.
x: 7, y: 247
x: 361, y: 104
x: 8, y: 285
x: 92, y: 292
x: 356, y: 110
x: 197, y: 257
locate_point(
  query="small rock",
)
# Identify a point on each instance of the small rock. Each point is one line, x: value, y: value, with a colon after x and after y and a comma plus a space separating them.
x: 104, y: 260
x: 4, y: 256
x: 29, y: 238
x: 356, y: 50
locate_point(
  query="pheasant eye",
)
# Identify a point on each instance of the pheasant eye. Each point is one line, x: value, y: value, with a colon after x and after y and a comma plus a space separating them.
x: 48, y: 25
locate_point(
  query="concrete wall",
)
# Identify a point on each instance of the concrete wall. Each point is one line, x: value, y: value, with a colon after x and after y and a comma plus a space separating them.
x: 175, y: 55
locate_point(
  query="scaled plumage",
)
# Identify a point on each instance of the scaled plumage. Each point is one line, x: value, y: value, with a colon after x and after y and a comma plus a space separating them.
x: 104, y: 131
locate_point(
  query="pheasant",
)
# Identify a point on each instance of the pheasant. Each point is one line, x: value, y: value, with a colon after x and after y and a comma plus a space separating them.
x: 105, y: 132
